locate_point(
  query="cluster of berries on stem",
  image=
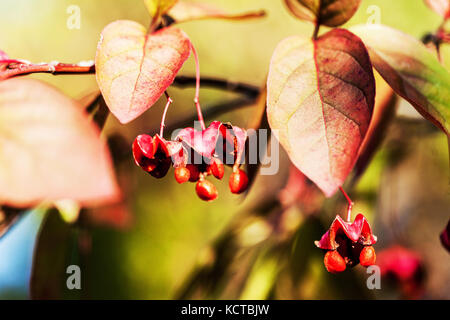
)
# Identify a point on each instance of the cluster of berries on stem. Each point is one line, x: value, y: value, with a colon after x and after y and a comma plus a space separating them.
x: 195, y: 153
x: 348, y: 243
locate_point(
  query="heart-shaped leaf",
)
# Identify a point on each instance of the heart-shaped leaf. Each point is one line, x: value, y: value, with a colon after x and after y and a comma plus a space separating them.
x: 411, y: 70
x: 320, y: 96
x: 331, y: 13
x: 49, y: 150
x: 159, y: 7
x: 441, y: 7
x: 188, y: 11
x: 134, y: 69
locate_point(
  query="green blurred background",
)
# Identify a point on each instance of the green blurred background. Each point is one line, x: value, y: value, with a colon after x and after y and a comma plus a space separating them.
x: 172, y: 247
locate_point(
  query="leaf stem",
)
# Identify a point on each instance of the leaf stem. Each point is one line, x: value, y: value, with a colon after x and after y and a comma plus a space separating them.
x: 163, y: 119
x: 197, y: 88
x: 350, y: 204
x: 316, y: 30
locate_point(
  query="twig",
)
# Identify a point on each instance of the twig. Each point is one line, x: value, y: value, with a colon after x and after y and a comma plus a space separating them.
x: 59, y: 68
x: 238, y: 87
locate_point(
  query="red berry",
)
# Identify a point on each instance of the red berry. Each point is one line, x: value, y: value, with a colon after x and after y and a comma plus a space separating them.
x: 367, y: 257
x: 194, y: 173
x: 216, y: 168
x: 334, y: 262
x: 238, y: 181
x: 206, y: 190
x: 182, y: 174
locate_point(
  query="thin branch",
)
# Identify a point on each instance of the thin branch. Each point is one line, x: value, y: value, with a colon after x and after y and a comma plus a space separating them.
x: 249, y: 90
x: 316, y: 30
x: 59, y: 68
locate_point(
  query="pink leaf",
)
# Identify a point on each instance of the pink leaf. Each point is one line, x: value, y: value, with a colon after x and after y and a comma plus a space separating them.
x: 319, y: 103
x: 49, y: 150
x: 134, y: 69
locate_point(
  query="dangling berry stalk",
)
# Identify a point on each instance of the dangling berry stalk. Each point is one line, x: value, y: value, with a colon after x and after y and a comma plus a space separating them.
x: 195, y: 154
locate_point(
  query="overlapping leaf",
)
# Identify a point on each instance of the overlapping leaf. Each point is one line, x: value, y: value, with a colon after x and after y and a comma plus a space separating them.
x: 411, y: 70
x: 134, y: 69
x: 49, y: 150
x: 331, y: 13
x: 319, y: 103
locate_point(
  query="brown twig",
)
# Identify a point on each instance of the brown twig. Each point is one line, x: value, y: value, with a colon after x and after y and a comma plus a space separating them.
x: 18, y: 69
x: 248, y: 90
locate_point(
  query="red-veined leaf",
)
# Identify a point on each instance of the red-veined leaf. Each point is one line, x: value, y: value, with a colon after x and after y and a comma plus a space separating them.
x: 188, y: 11
x: 319, y: 103
x: 411, y: 70
x: 134, y: 69
x: 49, y: 150
x: 441, y: 7
x: 331, y: 13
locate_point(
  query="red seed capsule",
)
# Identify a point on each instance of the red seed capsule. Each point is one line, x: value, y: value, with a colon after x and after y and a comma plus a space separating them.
x: 206, y: 190
x: 334, y: 262
x: 238, y: 181
x: 367, y: 257
x: 182, y: 174
x: 194, y: 174
x: 216, y: 168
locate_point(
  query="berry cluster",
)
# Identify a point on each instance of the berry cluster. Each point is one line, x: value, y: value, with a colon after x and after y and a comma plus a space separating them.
x: 348, y: 244
x: 195, y: 155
